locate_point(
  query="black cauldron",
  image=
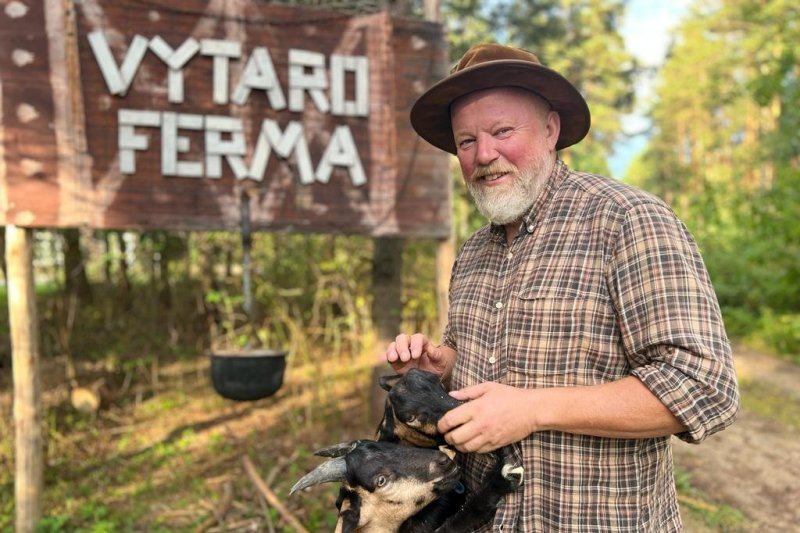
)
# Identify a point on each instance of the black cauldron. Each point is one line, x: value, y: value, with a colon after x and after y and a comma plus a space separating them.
x: 247, y: 375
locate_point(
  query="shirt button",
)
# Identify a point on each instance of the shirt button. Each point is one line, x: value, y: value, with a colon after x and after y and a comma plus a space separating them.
x: 492, y: 360
x: 509, y: 255
x: 499, y: 305
x: 530, y: 228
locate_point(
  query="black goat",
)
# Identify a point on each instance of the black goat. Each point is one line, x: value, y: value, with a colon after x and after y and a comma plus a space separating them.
x: 384, y: 483
x: 408, y: 434
x: 415, y: 403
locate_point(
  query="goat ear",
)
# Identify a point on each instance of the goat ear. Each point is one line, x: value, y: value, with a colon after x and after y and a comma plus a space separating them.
x: 386, y: 427
x: 350, y: 513
x: 387, y: 382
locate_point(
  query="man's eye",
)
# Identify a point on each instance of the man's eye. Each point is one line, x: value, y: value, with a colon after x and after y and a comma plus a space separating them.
x: 466, y: 143
x: 503, y: 131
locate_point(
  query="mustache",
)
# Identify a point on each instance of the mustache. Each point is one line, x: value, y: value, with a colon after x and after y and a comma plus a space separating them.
x: 493, y: 169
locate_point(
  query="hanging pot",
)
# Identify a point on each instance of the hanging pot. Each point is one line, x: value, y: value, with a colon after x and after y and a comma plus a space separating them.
x: 247, y: 375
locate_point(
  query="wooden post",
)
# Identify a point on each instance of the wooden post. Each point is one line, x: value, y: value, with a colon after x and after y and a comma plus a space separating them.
x: 445, y: 257
x: 27, y: 390
x: 387, y: 295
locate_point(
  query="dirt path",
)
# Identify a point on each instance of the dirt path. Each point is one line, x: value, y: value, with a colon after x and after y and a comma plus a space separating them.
x: 754, y: 466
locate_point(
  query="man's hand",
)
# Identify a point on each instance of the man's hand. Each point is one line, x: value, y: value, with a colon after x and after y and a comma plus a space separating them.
x: 417, y: 351
x: 495, y: 415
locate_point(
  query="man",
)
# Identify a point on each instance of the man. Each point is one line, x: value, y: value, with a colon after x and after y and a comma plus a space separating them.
x: 583, y: 328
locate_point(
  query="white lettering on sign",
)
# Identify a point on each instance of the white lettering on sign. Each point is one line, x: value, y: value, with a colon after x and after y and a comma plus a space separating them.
x: 259, y: 73
x: 118, y: 79
x: 175, y: 60
x: 310, y: 79
x: 224, y: 141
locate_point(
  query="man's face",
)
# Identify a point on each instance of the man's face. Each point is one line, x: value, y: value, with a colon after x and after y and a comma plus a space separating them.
x: 505, y: 139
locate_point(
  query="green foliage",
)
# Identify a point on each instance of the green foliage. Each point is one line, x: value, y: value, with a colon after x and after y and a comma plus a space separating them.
x: 467, y: 22
x: 581, y: 40
x: 726, y: 156
x: 94, y: 517
x: 781, y: 332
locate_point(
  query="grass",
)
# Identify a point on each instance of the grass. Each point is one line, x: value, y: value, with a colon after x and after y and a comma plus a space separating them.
x: 766, y: 402
x: 160, y: 464
x: 698, y: 508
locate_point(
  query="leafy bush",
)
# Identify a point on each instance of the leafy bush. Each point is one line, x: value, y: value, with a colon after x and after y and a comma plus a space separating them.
x: 781, y: 332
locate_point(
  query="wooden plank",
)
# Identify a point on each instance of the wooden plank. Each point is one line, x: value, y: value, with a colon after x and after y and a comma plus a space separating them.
x: 28, y: 479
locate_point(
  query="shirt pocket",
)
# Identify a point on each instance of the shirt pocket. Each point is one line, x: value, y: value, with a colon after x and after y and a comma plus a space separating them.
x: 562, y: 335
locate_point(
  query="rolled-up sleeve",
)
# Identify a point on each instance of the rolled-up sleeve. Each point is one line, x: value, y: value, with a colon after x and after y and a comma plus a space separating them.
x: 670, y: 321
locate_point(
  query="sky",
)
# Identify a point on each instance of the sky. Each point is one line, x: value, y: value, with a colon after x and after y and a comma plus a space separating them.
x: 647, y: 29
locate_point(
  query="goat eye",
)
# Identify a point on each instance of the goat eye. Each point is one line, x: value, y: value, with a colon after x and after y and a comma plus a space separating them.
x: 411, y: 418
x: 381, y: 481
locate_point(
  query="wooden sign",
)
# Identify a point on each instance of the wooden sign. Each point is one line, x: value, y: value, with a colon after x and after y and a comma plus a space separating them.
x: 160, y: 114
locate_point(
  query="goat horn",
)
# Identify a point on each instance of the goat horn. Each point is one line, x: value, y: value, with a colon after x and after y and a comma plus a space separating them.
x: 330, y: 470
x: 338, y: 450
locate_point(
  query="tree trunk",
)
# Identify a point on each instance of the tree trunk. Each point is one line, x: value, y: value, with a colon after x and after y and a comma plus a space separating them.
x: 387, y: 287
x: 387, y: 294
x: 75, y: 277
x: 3, y: 256
x: 124, y: 279
x: 107, y: 262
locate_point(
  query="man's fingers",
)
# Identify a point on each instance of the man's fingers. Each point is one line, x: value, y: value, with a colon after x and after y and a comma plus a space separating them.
x: 477, y: 444
x: 401, y: 344
x: 391, y: 353
x: 455, y: 418
x: 466, y: 438
x: 409, y: 351
x: 470, y: 393
x: 417, y: 344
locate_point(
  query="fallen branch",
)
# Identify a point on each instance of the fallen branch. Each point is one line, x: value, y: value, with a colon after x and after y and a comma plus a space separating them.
x: 282, y: 463
x: 270, y: 496
x: 218, y: 513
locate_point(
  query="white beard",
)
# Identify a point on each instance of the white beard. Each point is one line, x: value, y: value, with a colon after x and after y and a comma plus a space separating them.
x: 509, y: 203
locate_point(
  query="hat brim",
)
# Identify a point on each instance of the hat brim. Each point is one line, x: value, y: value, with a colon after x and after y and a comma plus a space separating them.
x: 430, y: 115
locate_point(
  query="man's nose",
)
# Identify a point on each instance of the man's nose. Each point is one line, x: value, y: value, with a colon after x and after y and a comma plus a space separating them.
x: 486, y: 150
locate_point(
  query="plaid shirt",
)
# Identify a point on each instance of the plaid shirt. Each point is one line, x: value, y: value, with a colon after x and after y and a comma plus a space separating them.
x: 602, y: 282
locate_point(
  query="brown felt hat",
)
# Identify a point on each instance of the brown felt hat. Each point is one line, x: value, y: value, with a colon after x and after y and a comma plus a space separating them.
x: 489, y: 65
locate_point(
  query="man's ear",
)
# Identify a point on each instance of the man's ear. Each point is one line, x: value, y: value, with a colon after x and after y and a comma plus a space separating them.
x: 553, y: 127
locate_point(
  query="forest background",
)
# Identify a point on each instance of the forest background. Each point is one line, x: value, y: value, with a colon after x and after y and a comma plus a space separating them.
x: 137, y: 312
